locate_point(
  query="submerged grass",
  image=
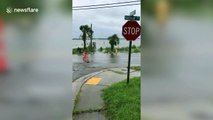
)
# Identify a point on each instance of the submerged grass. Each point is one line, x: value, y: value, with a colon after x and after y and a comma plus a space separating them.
x: 136, y: 68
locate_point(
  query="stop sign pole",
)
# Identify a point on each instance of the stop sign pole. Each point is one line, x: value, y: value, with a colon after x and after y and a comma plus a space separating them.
x: 129, y: 61
x: 131, y: 31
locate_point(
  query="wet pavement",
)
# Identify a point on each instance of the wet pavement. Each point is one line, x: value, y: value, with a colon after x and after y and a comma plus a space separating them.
x: 101, y: 61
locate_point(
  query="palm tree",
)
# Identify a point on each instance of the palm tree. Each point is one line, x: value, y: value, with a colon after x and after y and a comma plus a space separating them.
x: 90, y: 35
x: 84, y: 29
x: 113, y: 40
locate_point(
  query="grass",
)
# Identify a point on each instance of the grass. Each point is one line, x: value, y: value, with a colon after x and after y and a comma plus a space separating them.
x: 122, y: 101
x: 88, y: 111
x: 76, y: 100
x: 117, y: 72
x: 79, y: 51
x: 136, y: 68
x: 135, y: 49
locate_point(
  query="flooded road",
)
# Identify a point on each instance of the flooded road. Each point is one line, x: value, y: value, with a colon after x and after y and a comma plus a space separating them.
x: 101, y: 61
x: 38, y: 85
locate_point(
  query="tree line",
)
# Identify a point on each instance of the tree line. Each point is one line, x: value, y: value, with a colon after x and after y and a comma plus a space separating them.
x: 87, y: 32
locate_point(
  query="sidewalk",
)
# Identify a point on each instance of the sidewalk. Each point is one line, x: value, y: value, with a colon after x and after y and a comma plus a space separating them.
x: 87, y: 91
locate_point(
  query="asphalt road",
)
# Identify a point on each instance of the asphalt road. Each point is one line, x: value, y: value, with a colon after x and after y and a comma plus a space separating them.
x: 101, y: 61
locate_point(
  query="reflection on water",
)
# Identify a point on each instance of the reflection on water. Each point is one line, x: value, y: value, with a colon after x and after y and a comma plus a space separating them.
x: 99, y: 61
x: 114, y: 58
x: 105, y: 59
x: 105, y: 43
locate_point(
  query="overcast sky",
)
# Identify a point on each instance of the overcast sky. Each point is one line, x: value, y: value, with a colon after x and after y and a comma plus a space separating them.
x: 105, y: 21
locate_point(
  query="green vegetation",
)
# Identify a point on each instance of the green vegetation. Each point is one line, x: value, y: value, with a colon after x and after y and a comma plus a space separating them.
x: 107, y: 50
x: 137, y: 68
x: 122, y: 101
x: 84, y: 29
x: 90, y: 35
x: 122, y: 49
x: 136, y: 50
x: 113, y: 41
x: 100, y: 49
x: 87, y: 32
x: 79, y: 51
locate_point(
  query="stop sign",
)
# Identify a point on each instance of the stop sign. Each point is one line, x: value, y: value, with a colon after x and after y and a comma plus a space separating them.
x: 131, y: 30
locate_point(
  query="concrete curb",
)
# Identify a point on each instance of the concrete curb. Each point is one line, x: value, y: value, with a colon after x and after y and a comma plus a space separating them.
x: 80, y: 82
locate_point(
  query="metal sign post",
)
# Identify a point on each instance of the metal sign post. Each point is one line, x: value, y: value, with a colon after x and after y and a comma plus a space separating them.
x: 131, y: 31
x: 132, y: 13
x: 129, y: 61
x: 137, y: 18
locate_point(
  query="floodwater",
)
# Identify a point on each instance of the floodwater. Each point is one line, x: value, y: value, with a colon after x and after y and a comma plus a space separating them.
x: 38, y: 85
x: 99, y: 61
x: 105, y: 43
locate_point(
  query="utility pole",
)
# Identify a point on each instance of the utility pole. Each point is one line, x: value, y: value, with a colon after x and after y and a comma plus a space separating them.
x: 91, y: 47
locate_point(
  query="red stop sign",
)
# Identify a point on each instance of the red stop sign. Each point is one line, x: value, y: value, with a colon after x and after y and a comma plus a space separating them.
x: 131, y: 30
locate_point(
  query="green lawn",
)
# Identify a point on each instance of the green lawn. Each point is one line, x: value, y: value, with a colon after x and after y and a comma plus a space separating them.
x: 137, y: 68
x: 122, y: 101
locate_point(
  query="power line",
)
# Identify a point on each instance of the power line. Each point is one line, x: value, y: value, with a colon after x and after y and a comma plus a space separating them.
x: 105, y: 4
